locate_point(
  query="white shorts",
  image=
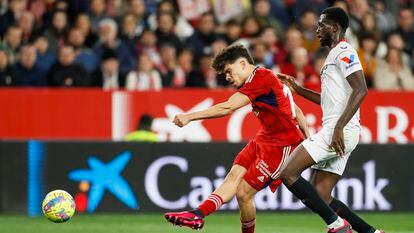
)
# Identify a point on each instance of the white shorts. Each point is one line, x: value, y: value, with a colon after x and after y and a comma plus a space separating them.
x: 325, y: 157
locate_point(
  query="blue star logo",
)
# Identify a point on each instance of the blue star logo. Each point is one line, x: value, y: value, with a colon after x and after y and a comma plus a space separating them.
x: 106, y: 177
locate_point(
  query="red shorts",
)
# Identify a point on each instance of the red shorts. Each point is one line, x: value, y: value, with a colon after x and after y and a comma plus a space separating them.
x: 264, y: 163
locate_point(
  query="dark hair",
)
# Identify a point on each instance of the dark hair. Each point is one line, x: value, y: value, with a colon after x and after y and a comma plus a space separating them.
x: 173, y: 16
x: 145, y: 122
x: 230, y: 55
x: 232, y: 22
x: 337, y: 15
x: 173, y: 4
x: 367, y: 36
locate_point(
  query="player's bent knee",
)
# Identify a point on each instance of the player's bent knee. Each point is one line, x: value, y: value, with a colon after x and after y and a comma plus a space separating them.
x: 245, y: 192
x: 242, y: 196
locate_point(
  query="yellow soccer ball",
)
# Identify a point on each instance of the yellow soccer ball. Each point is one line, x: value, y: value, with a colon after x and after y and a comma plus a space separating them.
x: 58, y: 206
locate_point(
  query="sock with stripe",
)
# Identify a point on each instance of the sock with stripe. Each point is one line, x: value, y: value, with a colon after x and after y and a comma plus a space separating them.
x: 210, y: 205
x: 248, y: 226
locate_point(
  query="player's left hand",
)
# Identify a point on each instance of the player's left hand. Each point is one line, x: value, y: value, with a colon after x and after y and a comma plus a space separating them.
x: 338, y: 141
x: 181, y: 120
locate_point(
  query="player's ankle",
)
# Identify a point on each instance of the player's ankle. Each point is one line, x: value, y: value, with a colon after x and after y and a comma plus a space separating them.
x: 337, y: 223
x: 197, y: 212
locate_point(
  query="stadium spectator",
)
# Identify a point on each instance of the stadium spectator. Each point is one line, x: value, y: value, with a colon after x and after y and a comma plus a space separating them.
x: 16, y: 8
x: 211, y: 78
x: 392, y: 74
x: 56, y: 35
x: 259, y: 54
x: 251, y: 27
x: 6, y: 17
x: 385, y: 19
x: 276, y: 53
x: 299, y: 66
x: 83, y: 55
x: 182, y: 28
x: 108, y: 76
x: 108, y: 40
x: 406, y: 30
x: 97, y: 13
x: 143, y: 132
x: 38, y: 9
x: 293, y: 40
x: 165, y: 30
x: 204, y: 34
x: 395, y: 41
x: 307, y: 26
x: 12, y: 42
x: 279, y: 11
x: 369, y: 25
x: 83, y: 23
x: 45, y: 59
x: 26, y: 71
x: 357, y: 10
x: 65, y: 72
x: 232, y: 31
x: 171, y: 75
x: 194, y: 77
x: 148, y: 44
x: 128, y: 34
x: 6, y: 71
x: 26, y: 23
x: 261, y: 10
x: 217, y: 46
x: 366, y: 53
x: 145, y: 77
x: 138, y: 9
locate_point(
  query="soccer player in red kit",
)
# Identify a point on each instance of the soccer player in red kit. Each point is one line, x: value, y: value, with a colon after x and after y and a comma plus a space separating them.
x: 259, y: 164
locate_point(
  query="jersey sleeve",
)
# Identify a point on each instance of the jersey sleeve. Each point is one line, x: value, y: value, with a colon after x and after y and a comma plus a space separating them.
x: 348, y: 62
x: 256, y: 87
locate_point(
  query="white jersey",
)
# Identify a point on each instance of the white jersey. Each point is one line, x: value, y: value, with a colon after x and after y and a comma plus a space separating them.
x: 341, y: 61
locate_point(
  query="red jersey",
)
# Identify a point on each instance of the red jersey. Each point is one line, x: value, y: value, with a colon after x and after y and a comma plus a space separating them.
x: 273, y: 104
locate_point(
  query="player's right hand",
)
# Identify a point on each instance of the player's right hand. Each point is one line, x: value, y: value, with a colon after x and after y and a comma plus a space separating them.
x: 181, y: 120
x: 288, y: 81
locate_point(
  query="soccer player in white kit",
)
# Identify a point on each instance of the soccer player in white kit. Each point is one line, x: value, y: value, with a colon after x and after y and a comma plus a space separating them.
x: 327, y: 152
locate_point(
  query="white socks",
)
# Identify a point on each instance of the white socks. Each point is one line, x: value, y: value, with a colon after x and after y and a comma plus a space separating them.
x: 338, y: 223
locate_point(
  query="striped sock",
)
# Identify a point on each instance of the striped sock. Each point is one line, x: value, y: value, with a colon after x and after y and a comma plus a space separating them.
x: 248, y: 226
x: 211, y: 204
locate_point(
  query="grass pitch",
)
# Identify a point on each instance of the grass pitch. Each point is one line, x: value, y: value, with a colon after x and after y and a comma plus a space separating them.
x: 218, y: 223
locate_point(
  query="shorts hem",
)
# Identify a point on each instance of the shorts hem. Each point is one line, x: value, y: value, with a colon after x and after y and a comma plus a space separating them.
x: 328, y: 170
x: 311, y: 154
x: 253, y: 185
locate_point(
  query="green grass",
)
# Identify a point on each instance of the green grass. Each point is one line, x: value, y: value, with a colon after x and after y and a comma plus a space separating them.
x: 219, y: 223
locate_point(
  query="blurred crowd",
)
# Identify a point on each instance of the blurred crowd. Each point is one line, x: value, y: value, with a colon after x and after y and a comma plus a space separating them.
x: 156, y: 44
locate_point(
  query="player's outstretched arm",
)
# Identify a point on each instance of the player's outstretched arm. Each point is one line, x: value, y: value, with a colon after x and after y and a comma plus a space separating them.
x: 301, y: 119
x: 236, y: 101
x: 294, y: 87
x: 359, y: 90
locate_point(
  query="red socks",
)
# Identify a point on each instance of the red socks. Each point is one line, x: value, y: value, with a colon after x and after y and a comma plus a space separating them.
x: 211, y: 204
x: 248, y: 227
